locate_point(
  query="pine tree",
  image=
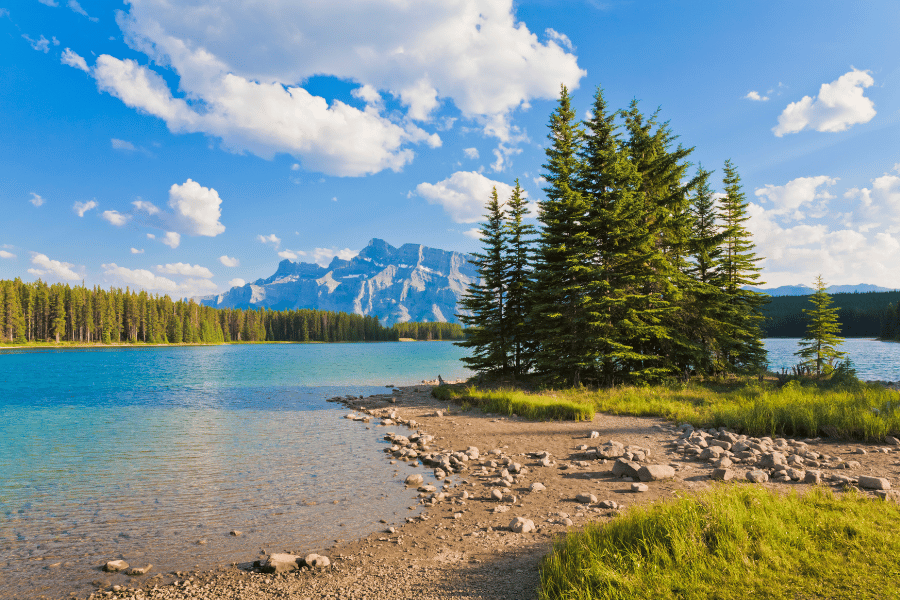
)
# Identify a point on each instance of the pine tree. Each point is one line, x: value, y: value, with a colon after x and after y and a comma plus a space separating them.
x: 485, y: 300
x: 818, y: 347
x: 519, y: 281
x: 562, y: 315
x: 741, y: 334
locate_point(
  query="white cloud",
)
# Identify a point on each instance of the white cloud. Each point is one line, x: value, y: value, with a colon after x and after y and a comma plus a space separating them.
x: 136, y: 251
x: 228, y: 261
x: 197, y: 208
x: 147, y: 207
x: 122, y: 145
x: 471, y: 153
x: 324, y: 256
x: 149, y: 281
x: 474, y: 233
x: 114, y: 217
x: 237, y: 282
x: 295, y: 167
x: 171, y: 239
x: 186, y: 269
x: 243, y: 64
x: 76, y: 8
x: 62, y: 270
x: 74, y: 60
x: 560, y: 38
x: 48, y: 2
x: 463, y: 195
x: 36, y: 199
x: 5, y: 254
x: 839, y: 105
x: 290, y: 254
x: 41, y: 45
x: 151, y: 236
x: 754, y: 95
x: 801, y: 192
x: 270, y: 239
x: 82, y: 207
x: 880, y: 203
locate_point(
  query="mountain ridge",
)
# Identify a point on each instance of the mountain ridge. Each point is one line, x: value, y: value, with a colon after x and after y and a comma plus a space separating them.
x: 804, y: 290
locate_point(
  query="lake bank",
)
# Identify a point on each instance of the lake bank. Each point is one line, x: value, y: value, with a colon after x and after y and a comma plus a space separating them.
x: 461, y: 546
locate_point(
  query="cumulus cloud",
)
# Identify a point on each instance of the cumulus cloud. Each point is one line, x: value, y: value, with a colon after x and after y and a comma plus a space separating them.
x: 880, y: 203
x: 36, y: 199
x: 237, y: 282
x: 197, y: 208
x: 756, y: 96
x: 839, y: 105
x: 144, y: 206
x: 151, y: 282
x: 228, y: 261
x: 5, y: 254
x: 171, y: 239
x: 63, y: 270
x: 186, y: 269
x: 291, y: 254
x: 788, y: 199
x: 41, y: 44
x: 324, y: 256
x: 82, y: 207
x: 463, y: 194
x: 561, y: 39
x: 471, y: 153
x: 74, y: 60
x: 473, y: 233
x: 114, y: 217
x: 243, y: 64
x: 272, y: 239
x: 136, y: 251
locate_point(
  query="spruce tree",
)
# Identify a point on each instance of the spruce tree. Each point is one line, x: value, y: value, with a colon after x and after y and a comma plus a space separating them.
x: 741, y: 334
x: 517, y: 252
x: 818, y: 347
x: 485, y: 300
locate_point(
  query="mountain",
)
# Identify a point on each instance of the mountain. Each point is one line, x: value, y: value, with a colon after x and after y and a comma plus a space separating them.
x: 802, y: 290
x: 409, y: 283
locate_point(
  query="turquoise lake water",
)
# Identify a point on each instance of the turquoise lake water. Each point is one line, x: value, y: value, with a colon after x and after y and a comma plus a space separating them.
x: 143, y: 453
x: 155, y: 454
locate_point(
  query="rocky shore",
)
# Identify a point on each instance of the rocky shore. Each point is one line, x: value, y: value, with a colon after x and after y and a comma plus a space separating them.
x: 493, y: 493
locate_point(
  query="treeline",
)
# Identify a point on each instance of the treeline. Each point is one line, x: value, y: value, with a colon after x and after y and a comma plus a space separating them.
x: 429, y: 331
x: 870, y: 314
x: 636, y: 271
x: 38, y: 311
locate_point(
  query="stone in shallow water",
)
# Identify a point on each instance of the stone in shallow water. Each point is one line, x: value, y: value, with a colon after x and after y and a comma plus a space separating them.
x: 114, y: 566
x: 281, y: 563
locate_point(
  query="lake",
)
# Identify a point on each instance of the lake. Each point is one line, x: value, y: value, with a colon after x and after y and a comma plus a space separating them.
x: 872, y: 359
x: 156, y: 454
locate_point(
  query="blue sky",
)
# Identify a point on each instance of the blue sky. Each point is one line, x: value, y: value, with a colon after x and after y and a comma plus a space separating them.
x: 183, y: 147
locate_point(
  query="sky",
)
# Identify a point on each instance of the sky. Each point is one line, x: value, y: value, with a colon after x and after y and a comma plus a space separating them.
x: 184, y: 147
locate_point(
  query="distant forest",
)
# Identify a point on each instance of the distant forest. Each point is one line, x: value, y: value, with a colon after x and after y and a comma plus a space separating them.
x: 31, y: 312
x: 872, y: 314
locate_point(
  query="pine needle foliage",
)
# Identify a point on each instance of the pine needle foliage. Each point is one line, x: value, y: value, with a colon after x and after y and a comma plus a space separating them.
x: 818, y: 347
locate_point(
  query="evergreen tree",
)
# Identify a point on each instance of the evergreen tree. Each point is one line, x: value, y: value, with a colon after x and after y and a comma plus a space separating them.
x: 485, y: 300
x: 519, y: 281
x: 818, y: 347
x: 741, y: 333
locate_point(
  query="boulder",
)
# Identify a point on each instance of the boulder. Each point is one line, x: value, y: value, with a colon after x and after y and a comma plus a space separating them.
x: 414, y: 480
x: 655, y: 472
x: 772, y: 459
x: 609, y: 504
x: 137, y: 571
x: 757, y: 476
x: 722, y: 474
x: 625, y: 468
x: 497, y: 495
x: 892, y: 440
x: 813, y: 477
x: 521, y: 525
x: 316, y: 561
x: 538, y: 487
x: 874, y: 483
x: 594, y: 434
x: 639, y: 487
x: 114, y: 566
x: 586, y: 498
x: 281, y: 563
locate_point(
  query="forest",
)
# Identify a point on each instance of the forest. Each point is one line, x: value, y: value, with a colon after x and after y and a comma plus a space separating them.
x: 38, y: 311
x: 870, y: 314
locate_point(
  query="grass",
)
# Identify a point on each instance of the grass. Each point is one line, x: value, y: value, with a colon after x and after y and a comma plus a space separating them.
x: 736, y: 541
x: 865, y: 412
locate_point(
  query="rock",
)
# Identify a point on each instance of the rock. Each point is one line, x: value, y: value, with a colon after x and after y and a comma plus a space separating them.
x: 772, y: 459
x: 861, y: 451
x: 888, y: 495
x: 414, y: 480
x: 625, y: 468
x: 281, y: 563
x: 546, y: 462
x: 114, y: 566
x: 521, y: 525
x: 757, y: 476
x: 586, y: 498
x: 439, y: 474
x: 813, y: 477
x: 538, y: 487
x: 892, y: 440
x: 137, y: 571
x: 712, y: 453
x: 610, y: 451
x: 426, y: 488
x: 497, y: 495
x: 639, y: 487
x: 722, y: 474
x: 567, y: 522
x: 874, y: 483
x: 595, y: 435
x: 236, y: 533
x: 655, y: 472
x: 795, y: 474
x: 608, y: 504
x: 723, y: 463
x: 316, y: 561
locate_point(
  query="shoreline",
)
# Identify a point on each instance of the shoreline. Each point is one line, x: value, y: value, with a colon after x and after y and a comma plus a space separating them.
x: 458, y: 544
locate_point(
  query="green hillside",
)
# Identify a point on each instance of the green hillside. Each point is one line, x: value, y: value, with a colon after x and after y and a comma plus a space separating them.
x: 871, y: 314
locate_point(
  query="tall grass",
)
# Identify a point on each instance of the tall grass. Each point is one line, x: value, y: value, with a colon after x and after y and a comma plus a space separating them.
x: 854, y: 412
x: 733, y: 542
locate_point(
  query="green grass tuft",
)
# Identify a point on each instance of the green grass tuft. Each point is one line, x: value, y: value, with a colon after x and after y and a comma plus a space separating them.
x: 535, y: 407
x: 737, y: 541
